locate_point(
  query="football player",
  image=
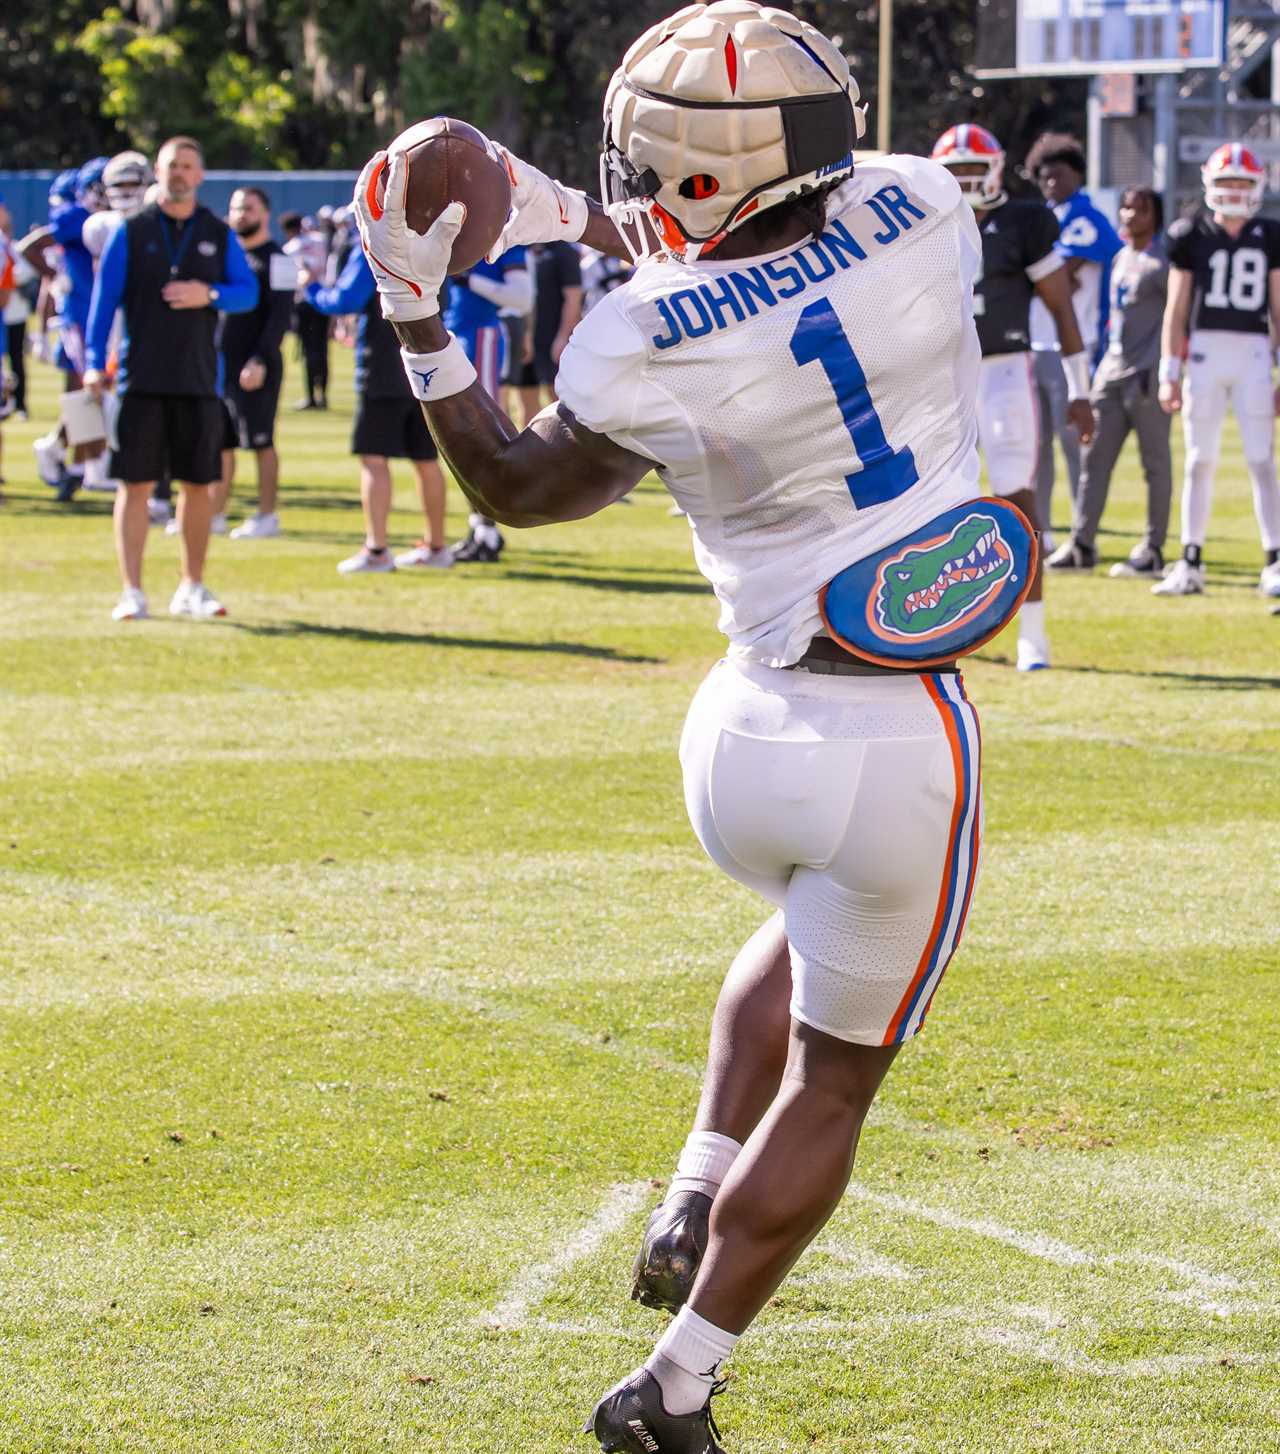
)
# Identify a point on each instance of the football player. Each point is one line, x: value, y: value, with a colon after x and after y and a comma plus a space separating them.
x: 65, y: 230
x: 1019, y: 263
x: 1223, y: 309
x: 828, y: 465
x: 1088, y: 242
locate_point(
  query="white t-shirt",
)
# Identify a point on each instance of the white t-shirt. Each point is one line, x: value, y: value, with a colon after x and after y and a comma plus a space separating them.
x: 804, y: 408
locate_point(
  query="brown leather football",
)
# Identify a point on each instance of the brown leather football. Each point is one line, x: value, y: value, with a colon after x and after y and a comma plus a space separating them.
x: 450, y: 161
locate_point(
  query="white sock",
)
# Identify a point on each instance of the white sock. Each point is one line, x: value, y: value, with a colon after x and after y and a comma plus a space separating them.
x: 1031, y: 623
x: 687, y: 1360
x: 704, y: 1163
x: 95, y: 470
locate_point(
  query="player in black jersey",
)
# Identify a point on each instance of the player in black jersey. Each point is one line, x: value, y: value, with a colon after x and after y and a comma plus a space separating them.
x: 1018, y: 262
x: 1224, y: 306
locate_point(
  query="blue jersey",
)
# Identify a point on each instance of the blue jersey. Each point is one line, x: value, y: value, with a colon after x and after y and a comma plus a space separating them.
x: 466, y: 311
x: 67, y: 226
x: 1087, y: 234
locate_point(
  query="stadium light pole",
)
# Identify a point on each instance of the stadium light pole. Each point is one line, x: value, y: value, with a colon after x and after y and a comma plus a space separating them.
x: 884, y: 94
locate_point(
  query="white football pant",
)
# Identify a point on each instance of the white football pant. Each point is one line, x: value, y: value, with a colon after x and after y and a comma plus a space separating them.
x: 1234, y: 367
x: 1008, y: 422
x: 854, y: 803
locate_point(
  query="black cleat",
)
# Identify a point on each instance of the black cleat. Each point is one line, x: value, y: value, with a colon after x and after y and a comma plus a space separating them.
x: 674, y: 1241
x: 631, y: 1419
x: 474, y: 550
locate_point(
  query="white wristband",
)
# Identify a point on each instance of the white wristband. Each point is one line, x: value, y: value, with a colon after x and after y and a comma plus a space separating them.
x: 435, y: 376
x: 1170, y: 370
x: 1076, y: 366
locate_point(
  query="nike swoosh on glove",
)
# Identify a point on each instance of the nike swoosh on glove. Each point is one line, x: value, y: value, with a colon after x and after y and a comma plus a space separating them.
x: 409, y: 267
x: 542, y: 210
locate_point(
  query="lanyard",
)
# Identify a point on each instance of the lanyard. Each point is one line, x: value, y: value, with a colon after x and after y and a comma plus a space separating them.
x: 184, y: 237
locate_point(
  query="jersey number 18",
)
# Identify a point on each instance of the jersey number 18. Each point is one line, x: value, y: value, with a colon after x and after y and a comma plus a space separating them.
x: 886, y: 473
x: 1238, y: 280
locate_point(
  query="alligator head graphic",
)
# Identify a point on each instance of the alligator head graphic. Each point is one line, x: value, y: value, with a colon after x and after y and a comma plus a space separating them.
x: 924, y: 588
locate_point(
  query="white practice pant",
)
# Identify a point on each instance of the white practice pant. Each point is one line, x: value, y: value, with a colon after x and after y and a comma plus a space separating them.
x: 1230, y: 368
x: 1008, y: 422
x: 855, y: 803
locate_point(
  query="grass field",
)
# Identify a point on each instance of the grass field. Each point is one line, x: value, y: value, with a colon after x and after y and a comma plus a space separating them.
x: 357, y: 964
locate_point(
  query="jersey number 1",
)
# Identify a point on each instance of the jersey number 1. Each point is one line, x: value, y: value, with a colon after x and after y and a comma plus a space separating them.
x: 886, y: 473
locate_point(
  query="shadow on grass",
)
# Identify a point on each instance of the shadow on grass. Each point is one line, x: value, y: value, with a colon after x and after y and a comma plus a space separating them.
x: 1187, y: 678
x: 611, y: 582
x: 428, y: 638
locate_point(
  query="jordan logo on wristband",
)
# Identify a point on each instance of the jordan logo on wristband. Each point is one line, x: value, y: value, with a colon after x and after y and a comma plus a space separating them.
x: 426, y: 377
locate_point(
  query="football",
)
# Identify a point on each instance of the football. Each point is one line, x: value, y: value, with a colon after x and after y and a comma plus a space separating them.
x: 450, y: 161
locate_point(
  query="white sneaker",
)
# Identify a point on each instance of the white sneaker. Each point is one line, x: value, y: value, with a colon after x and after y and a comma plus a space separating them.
x: 159, y: 511
x: 1181, y: 579
x: 172, y: 527
x: 1269, y: 580
x: 48, y: 451
x: 365, y: 560
x: 197, y: 601
x: 132, y: 606
x: 423, y: 555
x: 1032, y: 655
x: 218, y: 525
x: 257, y: 527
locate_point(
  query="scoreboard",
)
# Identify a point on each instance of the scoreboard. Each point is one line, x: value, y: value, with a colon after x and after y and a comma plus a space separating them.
x: 1093, y: 37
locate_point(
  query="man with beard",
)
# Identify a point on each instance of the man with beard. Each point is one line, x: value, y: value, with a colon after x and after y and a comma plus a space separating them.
x: 171, y: 270
x: 254, y: 366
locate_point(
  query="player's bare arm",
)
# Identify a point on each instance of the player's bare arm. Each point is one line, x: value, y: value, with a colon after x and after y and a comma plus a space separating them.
x: 1173, y: 337
x: 1054, y: 291
x: 33, y: 247
x: 553, y: 470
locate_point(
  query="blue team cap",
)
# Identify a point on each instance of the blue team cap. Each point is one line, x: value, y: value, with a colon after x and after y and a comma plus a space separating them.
x: 63, y: 189
x: 90, y: 175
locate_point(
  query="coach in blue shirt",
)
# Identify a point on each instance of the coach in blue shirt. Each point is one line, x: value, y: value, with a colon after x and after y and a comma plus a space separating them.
x: 170, y: 270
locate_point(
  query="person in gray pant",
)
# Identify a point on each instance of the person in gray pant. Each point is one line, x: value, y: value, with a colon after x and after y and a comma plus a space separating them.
x: 1125, y: 396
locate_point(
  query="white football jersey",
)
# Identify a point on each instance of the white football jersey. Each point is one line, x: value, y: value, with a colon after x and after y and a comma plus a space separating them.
x: 804, y: 408
x: 97, y: 230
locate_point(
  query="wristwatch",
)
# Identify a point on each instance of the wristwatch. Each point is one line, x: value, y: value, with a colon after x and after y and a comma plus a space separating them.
x: 213, y: 295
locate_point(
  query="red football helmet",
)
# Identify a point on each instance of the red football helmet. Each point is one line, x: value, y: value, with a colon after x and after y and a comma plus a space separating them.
x: 1233, y: 162
x: 964, y: 146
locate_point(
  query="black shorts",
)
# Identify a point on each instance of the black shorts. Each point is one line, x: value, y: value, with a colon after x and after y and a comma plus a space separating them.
x: 173, y: 434
x: 253, y: 411
x: 393, y: 428
x: 539, y: 370
x: 230, y: 435
x: 515, y: 329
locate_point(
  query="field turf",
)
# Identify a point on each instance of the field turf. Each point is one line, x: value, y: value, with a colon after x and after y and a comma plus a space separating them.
x: 358, y: 959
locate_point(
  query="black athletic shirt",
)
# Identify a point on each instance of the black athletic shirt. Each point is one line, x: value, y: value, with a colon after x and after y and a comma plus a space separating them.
x: 1015, y: 236
x: 258, y: 333
x: 167, y: 350
x: 1231, y: 273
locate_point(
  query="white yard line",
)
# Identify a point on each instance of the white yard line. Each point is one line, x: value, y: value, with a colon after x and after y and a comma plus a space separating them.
x: 534, y: 1283
x: 1039, y: 1245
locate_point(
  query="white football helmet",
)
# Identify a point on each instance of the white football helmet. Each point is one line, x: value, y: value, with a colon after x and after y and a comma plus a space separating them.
x: 126, y: 179
x: 1233, y: 162
x: 718, y: 113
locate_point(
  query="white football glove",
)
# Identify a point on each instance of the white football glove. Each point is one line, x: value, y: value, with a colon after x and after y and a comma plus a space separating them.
x: 409, y: 266
x: 542, y: 210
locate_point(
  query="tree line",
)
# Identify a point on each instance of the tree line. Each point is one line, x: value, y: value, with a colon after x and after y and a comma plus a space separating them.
x: 321, y: 83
